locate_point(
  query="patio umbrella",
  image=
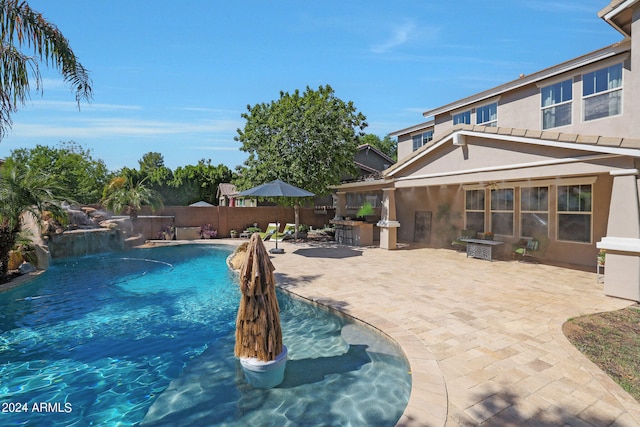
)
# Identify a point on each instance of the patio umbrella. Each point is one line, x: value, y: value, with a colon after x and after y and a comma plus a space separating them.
x: 258, y: 331
x: 276, y: 188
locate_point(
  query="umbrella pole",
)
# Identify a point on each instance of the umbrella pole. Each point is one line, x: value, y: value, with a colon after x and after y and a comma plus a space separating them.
x: 276, y: 250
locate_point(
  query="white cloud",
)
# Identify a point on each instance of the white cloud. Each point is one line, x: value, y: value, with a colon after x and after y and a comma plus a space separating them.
x: 57, y: 106
x: 54, y: 84
x: 95, y: 128
x: 400, y: 35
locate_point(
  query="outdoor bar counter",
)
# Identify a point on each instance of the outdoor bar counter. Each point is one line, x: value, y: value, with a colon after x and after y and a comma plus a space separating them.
x: 356, y: 233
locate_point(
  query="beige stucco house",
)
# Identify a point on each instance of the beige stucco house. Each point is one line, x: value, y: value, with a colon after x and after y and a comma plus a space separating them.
x: 553, y: 155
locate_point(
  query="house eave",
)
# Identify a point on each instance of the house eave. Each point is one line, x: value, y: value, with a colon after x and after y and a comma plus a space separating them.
x: 590, y: 58
x: 412, y: 129
x: 617, y: 14
x: 595, y: 144
x: 363, y: 185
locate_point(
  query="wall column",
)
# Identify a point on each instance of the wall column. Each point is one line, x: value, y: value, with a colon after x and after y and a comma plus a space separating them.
x: 341, y: 207
x: 622, y: 243
x: 388, y: 223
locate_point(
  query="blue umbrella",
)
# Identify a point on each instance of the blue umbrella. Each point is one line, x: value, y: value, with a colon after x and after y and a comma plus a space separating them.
x: 276, y: 188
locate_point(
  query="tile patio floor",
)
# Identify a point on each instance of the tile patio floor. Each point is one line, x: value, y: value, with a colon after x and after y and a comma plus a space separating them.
x: 483, y: 339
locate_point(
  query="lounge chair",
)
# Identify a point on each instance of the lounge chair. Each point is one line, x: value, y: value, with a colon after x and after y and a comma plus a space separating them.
x: 288, y: 233
x: 526, y: 249
x: 459, y: 243
x: 271, y: 229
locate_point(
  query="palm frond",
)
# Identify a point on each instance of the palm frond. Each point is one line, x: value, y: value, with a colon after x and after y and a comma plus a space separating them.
x: 23, y: 27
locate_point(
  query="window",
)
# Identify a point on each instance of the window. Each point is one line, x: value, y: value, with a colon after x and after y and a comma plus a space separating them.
x: 464, y: 118
x: 422, y: 139
x: 502, y: 211
x: 602, y: 92
x: 556, y: 104
x: 574, y: 213
x: 474, y: 210
x: 534, y: 212
x: 487, y: 115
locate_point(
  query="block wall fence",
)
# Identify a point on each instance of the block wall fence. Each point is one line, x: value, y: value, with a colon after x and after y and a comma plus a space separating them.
x: 225, y: 218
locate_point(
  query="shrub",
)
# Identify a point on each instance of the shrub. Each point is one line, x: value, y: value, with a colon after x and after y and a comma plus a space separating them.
x: 365, y: 210
x: 208, y: 232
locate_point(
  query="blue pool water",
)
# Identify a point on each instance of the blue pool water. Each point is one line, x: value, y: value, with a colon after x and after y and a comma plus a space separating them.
x: 146, y: 337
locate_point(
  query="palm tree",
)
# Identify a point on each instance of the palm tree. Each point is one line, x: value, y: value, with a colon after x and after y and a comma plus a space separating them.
x: 127, y: 194
x: 23, y: 190
x: 21, y: 26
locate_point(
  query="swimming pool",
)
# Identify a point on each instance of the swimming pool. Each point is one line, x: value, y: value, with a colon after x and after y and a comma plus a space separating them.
x: 146, y: 337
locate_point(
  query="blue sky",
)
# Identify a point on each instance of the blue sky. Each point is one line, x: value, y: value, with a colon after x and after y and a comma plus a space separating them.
x: 174, y: 77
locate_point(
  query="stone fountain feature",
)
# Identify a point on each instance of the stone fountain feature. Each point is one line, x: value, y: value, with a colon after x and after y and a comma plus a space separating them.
x: 89, y: 231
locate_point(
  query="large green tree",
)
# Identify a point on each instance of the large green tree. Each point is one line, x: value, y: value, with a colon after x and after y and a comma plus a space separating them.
x: 26, y: 40
x: 70, y: 164
x: 193, y: 183
x: 152, y: 166
x: 23, y: 190
x: 157, y: 176
x: 306, y: 139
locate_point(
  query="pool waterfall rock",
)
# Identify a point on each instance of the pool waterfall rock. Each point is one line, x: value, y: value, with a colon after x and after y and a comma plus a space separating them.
x: 88, y: 232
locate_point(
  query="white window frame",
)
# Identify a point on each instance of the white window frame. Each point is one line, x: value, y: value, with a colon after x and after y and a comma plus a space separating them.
x: 533, y: 212
x: 463, y: 115
x: 561, y: 103
x: 421, y: 139
x: 493, y: 122
x: 476, y: 209
x: 617, y: 90
x: 559, y: 213
x: 502, y: 211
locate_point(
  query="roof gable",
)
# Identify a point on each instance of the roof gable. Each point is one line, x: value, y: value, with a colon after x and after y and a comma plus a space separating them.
x: 591, y: 143
x: 369, y: 147
x: 226, y: 189
x: 619, y: 14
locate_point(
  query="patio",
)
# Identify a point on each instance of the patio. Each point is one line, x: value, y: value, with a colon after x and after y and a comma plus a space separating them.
x: 484, y: 339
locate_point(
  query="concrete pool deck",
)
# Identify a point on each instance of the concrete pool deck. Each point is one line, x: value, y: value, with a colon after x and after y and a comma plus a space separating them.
x: 484, y: 339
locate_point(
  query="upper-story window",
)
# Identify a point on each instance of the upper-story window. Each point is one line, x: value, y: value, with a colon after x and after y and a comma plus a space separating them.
x: 602, y: 92
x: 487, y: 115
x: 421, y: 139
x: 464, y: 118
x: 556, y: 104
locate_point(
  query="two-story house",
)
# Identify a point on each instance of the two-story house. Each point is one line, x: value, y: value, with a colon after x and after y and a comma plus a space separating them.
x: 553, y: 155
